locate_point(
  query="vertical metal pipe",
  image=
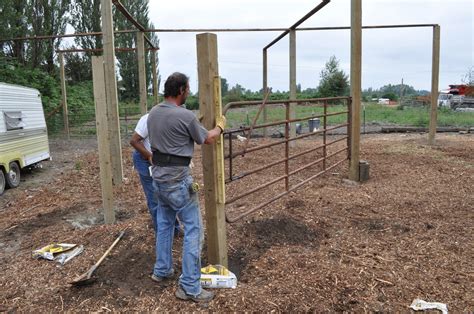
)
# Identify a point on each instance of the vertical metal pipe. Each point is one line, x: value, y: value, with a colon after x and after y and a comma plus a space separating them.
x: 349, y: 128
x: 325, y: 134
x: 264, y: 89
x: 292, y: 83
x: 230, y: 157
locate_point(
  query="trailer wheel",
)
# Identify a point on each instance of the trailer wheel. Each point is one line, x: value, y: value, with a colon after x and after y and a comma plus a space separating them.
x: 2, y: 182
x: 13, y: 176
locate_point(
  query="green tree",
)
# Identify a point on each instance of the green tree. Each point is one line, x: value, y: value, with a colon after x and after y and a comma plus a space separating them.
x: 224, y: 87
x: 47, y: 17
x: 334, y: 82
x: 85, y: 18
x: 468, y: 78
x: 127, y: 61
x: 14, y: 24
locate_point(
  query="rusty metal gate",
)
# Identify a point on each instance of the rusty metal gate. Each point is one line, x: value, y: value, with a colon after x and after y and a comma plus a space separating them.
x: 329, y: 134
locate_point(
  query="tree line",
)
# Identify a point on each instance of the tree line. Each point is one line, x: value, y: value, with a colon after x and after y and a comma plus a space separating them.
x: 53, y: 17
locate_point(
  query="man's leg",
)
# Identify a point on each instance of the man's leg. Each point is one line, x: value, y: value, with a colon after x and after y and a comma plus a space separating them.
x: 190, y: 217
x: 165, y: 218
x: 147, y: 183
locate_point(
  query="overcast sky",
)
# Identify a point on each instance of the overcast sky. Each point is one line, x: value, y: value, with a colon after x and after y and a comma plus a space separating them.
x: 388, y: 55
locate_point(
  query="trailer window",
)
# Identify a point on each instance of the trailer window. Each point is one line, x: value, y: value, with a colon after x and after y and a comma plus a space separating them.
x: 13, y: 120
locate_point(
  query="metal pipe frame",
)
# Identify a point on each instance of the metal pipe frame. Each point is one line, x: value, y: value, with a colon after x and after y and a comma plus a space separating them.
x: 300, y: 21
x: 214, y: 30
x: 232, y: 220
x: 129, y: 17
x: 287, y: 174
x: 100, y: 50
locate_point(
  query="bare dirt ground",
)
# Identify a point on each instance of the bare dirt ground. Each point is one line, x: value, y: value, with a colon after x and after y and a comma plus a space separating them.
x: 330, y: 246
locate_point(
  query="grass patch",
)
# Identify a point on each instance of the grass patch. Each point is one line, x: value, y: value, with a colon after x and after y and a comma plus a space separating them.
x: 374, y: 114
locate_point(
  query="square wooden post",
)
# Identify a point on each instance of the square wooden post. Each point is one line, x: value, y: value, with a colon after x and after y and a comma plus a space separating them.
x: 356, y: 74
x: 103, y: 138
x: 210, y: 107
x: 64, y: 95
x: 434, y: 85
x: 111, y: 92
x: 142, y: 72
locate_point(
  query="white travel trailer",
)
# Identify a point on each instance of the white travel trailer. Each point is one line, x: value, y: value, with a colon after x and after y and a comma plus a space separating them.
x: 23, y: 132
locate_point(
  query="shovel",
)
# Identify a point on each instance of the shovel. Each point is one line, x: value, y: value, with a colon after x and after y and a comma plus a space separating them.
x: 86, y: 278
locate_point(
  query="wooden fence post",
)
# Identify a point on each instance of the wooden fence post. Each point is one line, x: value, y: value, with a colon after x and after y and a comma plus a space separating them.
x: 356, y: 74
x: 212, y: 155
x: 434, y: 85
x: 103, y: 138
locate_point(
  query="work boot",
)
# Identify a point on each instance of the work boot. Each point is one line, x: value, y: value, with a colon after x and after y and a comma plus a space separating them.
x: 204, y: 296
x: 163, y: 280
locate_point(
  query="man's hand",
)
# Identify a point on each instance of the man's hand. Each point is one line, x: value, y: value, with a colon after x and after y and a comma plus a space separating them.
x: 220, y: 122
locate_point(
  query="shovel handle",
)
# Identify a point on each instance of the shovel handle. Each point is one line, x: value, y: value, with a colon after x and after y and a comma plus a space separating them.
x: 108, y: 250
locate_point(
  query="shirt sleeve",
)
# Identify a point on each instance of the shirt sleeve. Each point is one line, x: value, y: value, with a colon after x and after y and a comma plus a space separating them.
x: 141, y: 127
x: 197, y: 131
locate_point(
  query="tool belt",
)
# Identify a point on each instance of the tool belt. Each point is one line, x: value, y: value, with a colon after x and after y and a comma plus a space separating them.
x: 165, y: 160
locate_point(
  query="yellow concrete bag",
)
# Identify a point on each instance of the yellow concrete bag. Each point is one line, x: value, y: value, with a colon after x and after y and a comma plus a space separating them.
x: 217, y: 276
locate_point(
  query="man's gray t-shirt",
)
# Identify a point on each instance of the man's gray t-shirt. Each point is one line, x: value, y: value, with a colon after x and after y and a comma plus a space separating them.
x: 173, y: 130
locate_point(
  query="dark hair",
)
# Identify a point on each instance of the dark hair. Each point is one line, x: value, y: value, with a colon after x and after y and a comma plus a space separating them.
x: 175, y: 84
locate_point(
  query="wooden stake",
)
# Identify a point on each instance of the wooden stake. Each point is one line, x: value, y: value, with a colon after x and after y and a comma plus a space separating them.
x: 64, y: 95
x: 356, y: 74
x: 111, y: 92
x: 141, y: 72
x: 212, y: 155
x: 103, y: 138
x: 434, y: 85
x: 155, y: 79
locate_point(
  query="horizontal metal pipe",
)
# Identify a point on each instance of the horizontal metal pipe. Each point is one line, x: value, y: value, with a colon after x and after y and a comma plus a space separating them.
x: 100, y: 50
x: 215, y: 30
x: 316, y: 161
x: 278, y: 102
x: 232, y: 220
x: 290, y: 174
x: 258, y: 188
x: 232, y: 131
x: 283, y: 141
x: 245, y: 174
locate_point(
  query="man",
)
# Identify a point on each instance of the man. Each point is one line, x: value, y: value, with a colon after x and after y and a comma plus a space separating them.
x: 173, y: 130
x: 141, y: 157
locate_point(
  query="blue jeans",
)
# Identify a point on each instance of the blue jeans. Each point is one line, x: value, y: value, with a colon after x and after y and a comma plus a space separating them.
x: 141, y: 166
x: 175, y: 199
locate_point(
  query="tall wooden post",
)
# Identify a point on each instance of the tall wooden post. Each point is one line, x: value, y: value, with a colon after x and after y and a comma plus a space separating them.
x: 264, y: 89
x: 434, y: 84
x: 141, y: 72
x: 111, y: 91
x: 356, y: 74
x: 212, y: 155
x: 103, y: 138
x: 292, y: 84
x: 64, y: 95
x: 155, y: 78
